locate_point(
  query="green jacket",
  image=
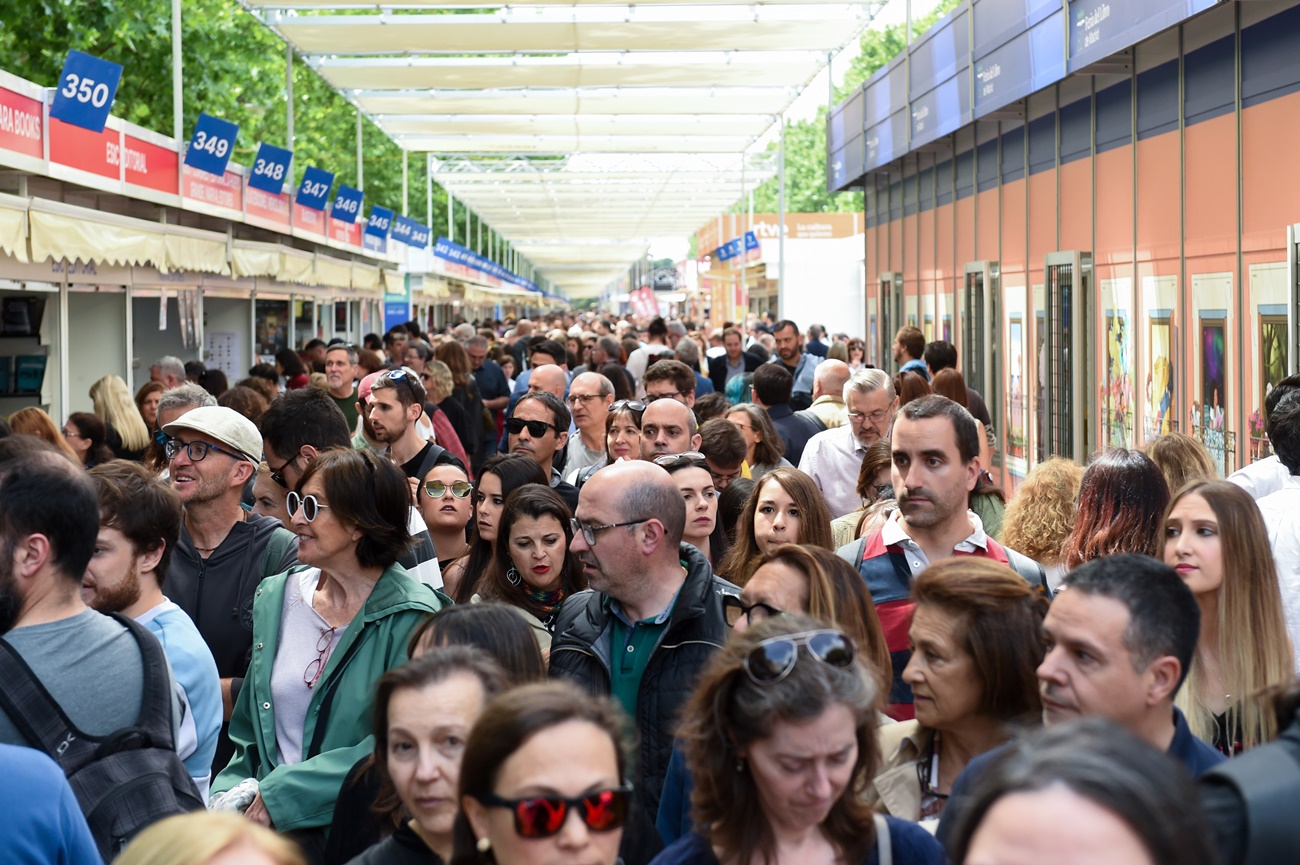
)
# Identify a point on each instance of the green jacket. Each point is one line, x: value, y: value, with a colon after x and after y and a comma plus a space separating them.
x: 302, y: 796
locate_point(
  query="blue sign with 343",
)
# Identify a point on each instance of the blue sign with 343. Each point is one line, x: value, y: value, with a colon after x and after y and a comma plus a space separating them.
x: 211, y: 144
x: 270, y: 168
x: 410, y: 232
x: 86, y: 89
x: 314, y: 190
x: 347, y: 204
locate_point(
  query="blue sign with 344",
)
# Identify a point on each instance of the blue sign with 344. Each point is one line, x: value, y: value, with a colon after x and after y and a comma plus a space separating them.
x: 211, y: 144
x: 86, y: 89
x: 314, y: 190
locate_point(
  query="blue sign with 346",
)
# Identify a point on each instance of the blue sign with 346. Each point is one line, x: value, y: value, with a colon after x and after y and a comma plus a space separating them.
x: 314, y: 190
x: 86, y: 89
x: 270, y: 168
x: 211, y: 144
x: 347, y: 204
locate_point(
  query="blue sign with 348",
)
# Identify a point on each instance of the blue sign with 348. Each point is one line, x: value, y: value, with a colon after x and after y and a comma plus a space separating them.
x: 86, y: 89
x: 270, y: 168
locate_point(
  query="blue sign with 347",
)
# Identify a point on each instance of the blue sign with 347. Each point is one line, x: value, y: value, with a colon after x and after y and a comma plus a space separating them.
x: 347, y: 204
x: 211, y: 144
x: 86, y: 89
x: 314, y: 190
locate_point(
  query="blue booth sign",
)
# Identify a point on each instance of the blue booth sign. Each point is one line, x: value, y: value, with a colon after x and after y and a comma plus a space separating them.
x: 410, y: 232
x: 381, y: 220
x: 211, y: 145
x: 270, y: 168
x: 314, y: 191
x: 86, y: 89
x: 347, y: 204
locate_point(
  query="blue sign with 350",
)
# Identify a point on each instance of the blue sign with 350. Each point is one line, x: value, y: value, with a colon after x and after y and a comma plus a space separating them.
x: 86, y: 89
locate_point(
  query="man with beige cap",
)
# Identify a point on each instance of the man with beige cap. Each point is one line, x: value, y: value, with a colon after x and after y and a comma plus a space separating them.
x: 224, y: 551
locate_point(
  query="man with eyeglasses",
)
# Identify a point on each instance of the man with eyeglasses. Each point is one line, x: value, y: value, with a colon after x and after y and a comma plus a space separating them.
x: 539, y: 430
x: 668, y: 427
x: 300, y: 426
x: 669, y: 379
x: 833, y: 458
x: 590, y: 396
x: 650, y: 621
x: 224, y: 550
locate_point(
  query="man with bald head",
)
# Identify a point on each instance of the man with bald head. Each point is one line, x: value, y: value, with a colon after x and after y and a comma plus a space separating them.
x: 828, y: 410
x: 652, y: 617
x: 548, y: 379
x: 668, y: 427
x: 590, y: 396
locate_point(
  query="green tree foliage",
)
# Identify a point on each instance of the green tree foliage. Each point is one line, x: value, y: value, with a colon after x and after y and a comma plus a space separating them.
x: 234, y: 68
x: 805, y: 141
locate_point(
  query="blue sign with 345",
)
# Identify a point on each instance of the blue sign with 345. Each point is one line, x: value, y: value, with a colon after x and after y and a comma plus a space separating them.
x: 270, y: 168
x: 86, y: 89
x: 347, y: 204
x: 381, y: 219
x: 314, y: 190
x: 211, y: 144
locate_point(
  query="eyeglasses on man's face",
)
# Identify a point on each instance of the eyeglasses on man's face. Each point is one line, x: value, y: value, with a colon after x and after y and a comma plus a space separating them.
x: 589, y: 532
x: 195, y: 450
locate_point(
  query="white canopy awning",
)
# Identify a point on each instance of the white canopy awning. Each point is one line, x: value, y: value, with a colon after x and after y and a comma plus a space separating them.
x: 580, y: 131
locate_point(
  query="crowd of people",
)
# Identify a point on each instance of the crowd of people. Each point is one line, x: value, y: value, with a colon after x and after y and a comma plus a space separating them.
x: 593, y: 591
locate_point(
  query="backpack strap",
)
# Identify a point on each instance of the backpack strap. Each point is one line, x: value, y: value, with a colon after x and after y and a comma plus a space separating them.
x: 884, y: 843
x: 155, y: 719
x: 1266, y: 781
x: 812, y: 418
x: 1030, y: 570
x: 431, y: 458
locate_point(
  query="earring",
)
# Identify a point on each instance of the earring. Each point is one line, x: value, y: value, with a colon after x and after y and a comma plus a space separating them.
x: 513, y: 576
x: 484, y: 844
x: 740, y: 764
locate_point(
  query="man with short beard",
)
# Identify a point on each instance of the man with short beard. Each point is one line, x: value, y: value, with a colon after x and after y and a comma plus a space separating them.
x: 340, y: 363
x: 224, y: 551
x: 139, y: 525
x: 935, y: 448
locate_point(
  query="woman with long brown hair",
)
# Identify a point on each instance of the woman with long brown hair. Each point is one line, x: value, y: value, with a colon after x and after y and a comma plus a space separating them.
x: 1122, y: 502
x: 950, y: 383
x: 784, y: 508
x: 33, y: 421
x: 1215, y: 537
x: 465, y: 392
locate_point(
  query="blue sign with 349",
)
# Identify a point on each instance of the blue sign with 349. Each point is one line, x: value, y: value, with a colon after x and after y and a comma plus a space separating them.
x: 314, y: 190
x: 211, y: 145
x: 270, y: 168
x: 86, y: 89
x: 347, y: 204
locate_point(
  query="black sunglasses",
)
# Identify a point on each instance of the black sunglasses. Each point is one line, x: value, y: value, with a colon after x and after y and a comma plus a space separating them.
x: 734, y: 609
x: 544, y: 816
x: 536, y: 428
x: 277, y: 475
x: 774, y: 658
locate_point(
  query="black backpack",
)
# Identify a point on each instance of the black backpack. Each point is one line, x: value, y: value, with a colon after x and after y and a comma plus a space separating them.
x: 123, y: 781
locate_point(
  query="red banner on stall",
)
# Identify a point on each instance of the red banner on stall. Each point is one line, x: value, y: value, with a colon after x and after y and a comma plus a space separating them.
x: 149, y: 165
x: 209, y: 189
x: 20, y: 124
x: 266, y: 210
x: 345, y: 232
x: 309, y: 220
x: 95, y: 152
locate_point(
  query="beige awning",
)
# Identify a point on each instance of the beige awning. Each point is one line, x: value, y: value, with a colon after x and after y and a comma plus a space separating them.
x: 60, y: 231
x: 250, y: 258
x: 332, y: 272
x: 364, y: 277
x: 13, y: 226
x: 196, y: 251
x: 393, y: 281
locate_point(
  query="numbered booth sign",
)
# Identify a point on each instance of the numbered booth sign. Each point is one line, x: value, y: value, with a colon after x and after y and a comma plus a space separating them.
x: 211, y: 145
x: 314, y: 191
x: 270, y: 168
x: 86, y: 89
x: 347, y: 204
x: 381, y: 219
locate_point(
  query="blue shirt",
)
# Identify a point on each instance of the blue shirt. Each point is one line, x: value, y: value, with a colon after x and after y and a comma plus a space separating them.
x: 43, y: 824
x: 804, y: 372
x: 491, y: 380
x: 918, y: 367
x: 911, y: 845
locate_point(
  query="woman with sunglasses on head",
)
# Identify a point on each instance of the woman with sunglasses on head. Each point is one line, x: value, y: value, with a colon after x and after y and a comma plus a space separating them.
x: 542, y: 781
x: 501, y: 475
x: 780, y: 739
x: 445, y: 504
x: 976, y: 646
x: 424, y: 712
x: 322, y: 637
x: 622, y: 438
x: 704, y: 531
x: 784, y: 508
x: 532, y: 569
x: 793, y: 580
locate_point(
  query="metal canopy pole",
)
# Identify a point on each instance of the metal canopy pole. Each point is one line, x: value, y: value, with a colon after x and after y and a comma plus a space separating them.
x: 428, y: 193
x: 744, y: 253
x: 178, y: 103
x: 406, y: 203
x: 451, y: 217
x: 361, y: 172
x: 780, y: 271
x: 288, y: 90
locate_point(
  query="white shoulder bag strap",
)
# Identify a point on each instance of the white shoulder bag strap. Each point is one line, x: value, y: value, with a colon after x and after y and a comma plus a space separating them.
x: 884, y: 845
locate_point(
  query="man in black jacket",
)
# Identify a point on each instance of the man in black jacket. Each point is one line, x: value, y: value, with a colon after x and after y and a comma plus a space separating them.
x: 652, y: 617
x: 735, y: 362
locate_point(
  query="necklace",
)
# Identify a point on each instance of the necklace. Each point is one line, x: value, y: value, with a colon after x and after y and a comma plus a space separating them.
x: 243, y: 518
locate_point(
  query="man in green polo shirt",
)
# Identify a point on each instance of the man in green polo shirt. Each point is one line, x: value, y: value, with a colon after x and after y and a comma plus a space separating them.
x: 653, y: 616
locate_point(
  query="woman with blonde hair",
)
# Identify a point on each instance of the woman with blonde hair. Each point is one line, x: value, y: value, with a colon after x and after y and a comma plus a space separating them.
x: 1181, y: 459
x: 1040, y: 516
x: 127, y: 434
x: 209, y: 838
x: 785, y: 507
x: 33, y: 421
x: 1215, y: 537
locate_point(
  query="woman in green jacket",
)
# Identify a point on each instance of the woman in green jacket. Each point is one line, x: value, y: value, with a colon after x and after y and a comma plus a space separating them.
x: 322, y: 637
